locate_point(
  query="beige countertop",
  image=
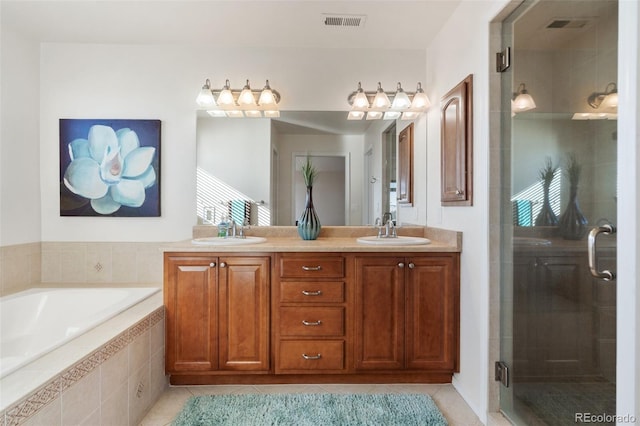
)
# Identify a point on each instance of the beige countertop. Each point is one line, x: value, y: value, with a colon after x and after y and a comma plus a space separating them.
x: 331, y: 239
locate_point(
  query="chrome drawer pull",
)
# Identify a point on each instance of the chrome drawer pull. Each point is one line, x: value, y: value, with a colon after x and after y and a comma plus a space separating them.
x: 311, y: 323
x: 305, y: 356
x: 312, y: 293
x: 312, y: 268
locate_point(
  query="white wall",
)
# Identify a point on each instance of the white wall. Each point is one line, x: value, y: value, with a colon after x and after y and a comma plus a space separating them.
x: 462, y: 48
x: 161, y: 82
x: 20, y: 140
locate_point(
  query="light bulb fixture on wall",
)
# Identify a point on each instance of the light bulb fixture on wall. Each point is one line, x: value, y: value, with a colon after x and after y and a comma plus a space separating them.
x: 376, y: 105
x: 522, y: 100
x: 237, y: 103
x: 606, y: 101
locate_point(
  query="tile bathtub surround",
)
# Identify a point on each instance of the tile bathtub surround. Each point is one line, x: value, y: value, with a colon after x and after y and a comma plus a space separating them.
x: 20, y: 267
x: 114, y: 384
x: 101, y: 262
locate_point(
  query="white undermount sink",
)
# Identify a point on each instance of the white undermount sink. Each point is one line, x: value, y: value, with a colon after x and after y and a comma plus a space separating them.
x: 397, y: 241
x: 231, y: 241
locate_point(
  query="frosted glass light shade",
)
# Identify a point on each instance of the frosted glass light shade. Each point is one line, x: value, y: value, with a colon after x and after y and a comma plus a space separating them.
x: 420, y: 101
x: 205, y: 98
x: 610, y: 102
x: 266, y: 97
x: 400, y: 100
x: 246, y: 96
x: 374, y: 115
x: 523, y: 102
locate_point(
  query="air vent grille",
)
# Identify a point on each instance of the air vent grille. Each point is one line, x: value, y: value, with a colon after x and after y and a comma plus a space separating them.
x: 568, y: 23
x: 348, y: 21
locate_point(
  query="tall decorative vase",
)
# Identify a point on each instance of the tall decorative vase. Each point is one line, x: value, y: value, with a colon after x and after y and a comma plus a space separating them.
x: 546, y: 217
x: 308, y: 222
x: 573, y: 224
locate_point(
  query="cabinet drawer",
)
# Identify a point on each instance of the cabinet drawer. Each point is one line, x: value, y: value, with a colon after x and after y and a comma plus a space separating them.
x: 312, y: 267
x: 311, y: 291
x: 305, y: 321
x: 311, y: 355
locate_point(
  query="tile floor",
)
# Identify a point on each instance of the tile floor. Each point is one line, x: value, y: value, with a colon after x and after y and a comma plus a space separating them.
x: 445, y: 396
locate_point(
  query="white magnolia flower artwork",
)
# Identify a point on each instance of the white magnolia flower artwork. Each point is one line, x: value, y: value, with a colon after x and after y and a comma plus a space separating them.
x: 111, y: 170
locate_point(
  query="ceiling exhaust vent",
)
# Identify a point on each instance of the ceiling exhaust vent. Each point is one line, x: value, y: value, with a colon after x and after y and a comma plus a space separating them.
x: 343, y: 21
x: 575, y: 23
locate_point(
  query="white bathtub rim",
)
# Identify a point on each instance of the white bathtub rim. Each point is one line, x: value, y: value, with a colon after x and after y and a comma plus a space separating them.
x: 123, y: 306
x: 30, y: 378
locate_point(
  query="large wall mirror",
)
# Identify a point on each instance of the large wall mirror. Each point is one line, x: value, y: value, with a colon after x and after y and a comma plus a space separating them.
x: 250, y: 168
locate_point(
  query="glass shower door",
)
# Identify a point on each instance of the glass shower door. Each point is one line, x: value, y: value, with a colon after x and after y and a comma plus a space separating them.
x: 559, y: 142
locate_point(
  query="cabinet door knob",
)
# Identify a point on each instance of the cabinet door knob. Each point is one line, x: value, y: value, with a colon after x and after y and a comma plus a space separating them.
x: 411, y: 265
x: 312, y: 293
x: 212, y: 264
x: 222, y: 264
x: 305, y: 356
x: 459, y: 191
x: 400, y: 265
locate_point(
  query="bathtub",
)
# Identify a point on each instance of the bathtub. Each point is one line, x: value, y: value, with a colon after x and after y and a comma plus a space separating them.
x: 37, y: 321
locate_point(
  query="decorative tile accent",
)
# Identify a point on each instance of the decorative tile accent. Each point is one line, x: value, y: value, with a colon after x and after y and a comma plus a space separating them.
x: 29, y: 406
x: 139, y: 328
x: 20, y: 412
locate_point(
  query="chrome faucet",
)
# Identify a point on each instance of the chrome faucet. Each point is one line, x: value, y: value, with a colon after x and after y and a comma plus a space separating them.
x: 243, y: 227
x: 386, y: 228
x: 390, y: 229
x: 231, y: 228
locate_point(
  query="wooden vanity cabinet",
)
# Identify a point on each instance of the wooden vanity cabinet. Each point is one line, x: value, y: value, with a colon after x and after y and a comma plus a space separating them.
x: 311, y: 317
x: 310, y: 314
x: 217, y: 312
x: 406, y: 312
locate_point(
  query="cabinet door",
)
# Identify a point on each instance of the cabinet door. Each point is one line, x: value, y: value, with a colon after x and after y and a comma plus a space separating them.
x: 379, y: 308
x: 525, y: 344
x: 564, y: 316
x: 244, y: 313
x: 431, y: 337
x: 456, y: 145
x: 190, y: 303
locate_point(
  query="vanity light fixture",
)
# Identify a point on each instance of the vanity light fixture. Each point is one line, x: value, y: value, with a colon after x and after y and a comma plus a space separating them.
x: 228, y: 102
x: 522, y: 100
x: 387, y: 105
x: 606, y: 101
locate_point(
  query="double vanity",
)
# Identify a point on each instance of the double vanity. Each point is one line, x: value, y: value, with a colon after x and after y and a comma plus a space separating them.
x: 345, y: 308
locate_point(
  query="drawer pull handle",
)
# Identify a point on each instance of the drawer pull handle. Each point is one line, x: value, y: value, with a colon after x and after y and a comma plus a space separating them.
x: 305, y: 356
x: 311, y: 323
x: 312, y: 268
x: 312, y: 293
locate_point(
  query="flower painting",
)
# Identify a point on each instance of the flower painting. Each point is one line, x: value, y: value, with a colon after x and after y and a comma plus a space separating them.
x: 109, y: 167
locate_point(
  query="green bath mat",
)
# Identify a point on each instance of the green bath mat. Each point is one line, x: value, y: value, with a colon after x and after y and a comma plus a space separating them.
x: 311, y: 410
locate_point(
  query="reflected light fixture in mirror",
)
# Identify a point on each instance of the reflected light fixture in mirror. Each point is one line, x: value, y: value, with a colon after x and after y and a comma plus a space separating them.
x: 606, y: 104
x: 387, y: 105
x: 522, y: 100
x: 228, y: 102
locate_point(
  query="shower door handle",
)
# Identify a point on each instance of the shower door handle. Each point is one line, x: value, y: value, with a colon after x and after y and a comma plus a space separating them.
x: 606, y: 229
